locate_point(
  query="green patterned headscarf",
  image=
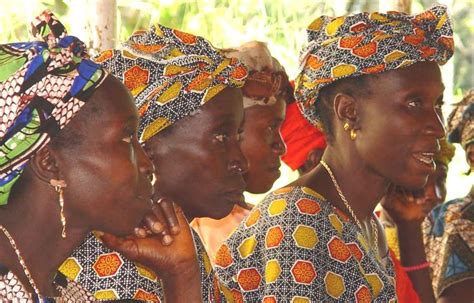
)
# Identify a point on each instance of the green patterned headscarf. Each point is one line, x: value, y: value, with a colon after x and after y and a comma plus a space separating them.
x: 43, y: 84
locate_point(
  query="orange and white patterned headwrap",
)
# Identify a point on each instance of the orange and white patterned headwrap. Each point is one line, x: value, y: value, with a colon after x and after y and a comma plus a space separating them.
x: 267, y: 81
x: 171, y: 74
x: 368, y: 43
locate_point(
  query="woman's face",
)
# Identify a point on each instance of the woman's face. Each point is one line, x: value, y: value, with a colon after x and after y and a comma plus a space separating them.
x: 262, y: 145
x: 107, y: 173
x: 198, y: 160
x: 400, y: 122
x: 434, y: 192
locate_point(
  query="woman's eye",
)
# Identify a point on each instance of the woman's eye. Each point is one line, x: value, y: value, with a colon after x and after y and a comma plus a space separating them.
x: 128, y: 139
x: 414, y: 103
x: 221, y: 138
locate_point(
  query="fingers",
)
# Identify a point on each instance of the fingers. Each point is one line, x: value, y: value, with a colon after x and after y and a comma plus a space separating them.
x: 169, y: 213
x: 140, y: 232
x: 155, y: 220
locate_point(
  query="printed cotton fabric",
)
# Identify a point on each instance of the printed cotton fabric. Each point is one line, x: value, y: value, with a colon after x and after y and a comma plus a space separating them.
x: 296, y: 247
x: 368, y: 43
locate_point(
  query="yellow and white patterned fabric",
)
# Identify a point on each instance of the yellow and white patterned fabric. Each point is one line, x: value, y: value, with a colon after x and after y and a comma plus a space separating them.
x: 296, y: 247
x: 368, y: 43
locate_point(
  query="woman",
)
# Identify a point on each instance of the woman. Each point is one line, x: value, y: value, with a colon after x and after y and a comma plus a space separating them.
x: 70, y: 155
x: 448, y: 230
x: 189, y: 99
x: 266, y: 92
x: 318, y: 239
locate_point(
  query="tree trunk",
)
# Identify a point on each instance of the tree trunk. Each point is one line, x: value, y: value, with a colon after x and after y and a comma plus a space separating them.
x: 95, y: 22
x: 395, y: 5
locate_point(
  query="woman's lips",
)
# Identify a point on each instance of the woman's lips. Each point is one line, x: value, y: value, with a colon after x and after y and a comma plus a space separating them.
x: 425, y: 158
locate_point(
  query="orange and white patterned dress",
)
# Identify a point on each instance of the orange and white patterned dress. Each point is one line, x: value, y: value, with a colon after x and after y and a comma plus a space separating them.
x: 296, y: 247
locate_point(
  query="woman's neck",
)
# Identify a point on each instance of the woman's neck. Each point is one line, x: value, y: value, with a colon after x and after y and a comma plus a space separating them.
x: 34, y: 224
x: 362, y: 188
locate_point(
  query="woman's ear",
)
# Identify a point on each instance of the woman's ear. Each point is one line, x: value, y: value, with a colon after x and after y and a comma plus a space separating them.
x: 44, y: 164
x: 345, y: 107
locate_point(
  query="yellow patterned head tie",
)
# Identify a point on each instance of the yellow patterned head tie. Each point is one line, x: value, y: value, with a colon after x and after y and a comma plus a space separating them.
x: 461, y: 121
x: 171, y: 74
x: 368, y: 43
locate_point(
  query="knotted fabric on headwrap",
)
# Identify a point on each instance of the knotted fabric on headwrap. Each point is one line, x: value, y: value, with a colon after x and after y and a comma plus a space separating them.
x: 368, y: 43
x: 461, y: 121
x: 171, y: 74
x: 267, y: 80
x: 43, y: 84
x: 300, y: 137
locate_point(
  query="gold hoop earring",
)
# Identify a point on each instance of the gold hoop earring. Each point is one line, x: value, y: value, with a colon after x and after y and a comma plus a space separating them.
x: 353, y: 134
x: 346, y: 126
x: 59, y: 186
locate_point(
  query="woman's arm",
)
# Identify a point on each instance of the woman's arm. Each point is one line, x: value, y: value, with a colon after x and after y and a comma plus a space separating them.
x: 412, y: 253
x: 175, y: 264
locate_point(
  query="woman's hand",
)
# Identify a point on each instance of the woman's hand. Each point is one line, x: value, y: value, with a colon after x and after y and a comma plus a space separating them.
x: 162, y: 220
x: 164, y: 259
x: 176, y: 264
x: 403, y: 205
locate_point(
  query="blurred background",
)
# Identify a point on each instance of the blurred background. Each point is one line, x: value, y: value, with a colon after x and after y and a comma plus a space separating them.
x: 279, y: 23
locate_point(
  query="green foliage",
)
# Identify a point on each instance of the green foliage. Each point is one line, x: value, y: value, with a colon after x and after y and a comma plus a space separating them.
x: 227, y: 23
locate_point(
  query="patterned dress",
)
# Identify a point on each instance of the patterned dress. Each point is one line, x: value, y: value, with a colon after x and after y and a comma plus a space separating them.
x: 110, y: 276
x: 449, y: 243
x: 296, y: 247
x: 12, y: 290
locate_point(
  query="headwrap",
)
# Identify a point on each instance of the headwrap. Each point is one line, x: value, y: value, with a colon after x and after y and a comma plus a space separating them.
x: 267, y: 80
x: 446, y: 152
x: 368, y: 43
x: 300, y: 137
x: 171, y: 74
x: 43, y: 84
x: 461, y: 121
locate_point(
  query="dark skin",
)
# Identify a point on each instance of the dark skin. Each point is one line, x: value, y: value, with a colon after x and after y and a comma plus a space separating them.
x: 416, y: 205
x: 407, y: 210
x: 262, y: 145
x: 199, y: 162
x: 386, y: 150
x: 106, y: 172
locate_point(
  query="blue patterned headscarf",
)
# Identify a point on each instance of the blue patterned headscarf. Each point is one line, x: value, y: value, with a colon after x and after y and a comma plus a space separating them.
x: 43, y: 84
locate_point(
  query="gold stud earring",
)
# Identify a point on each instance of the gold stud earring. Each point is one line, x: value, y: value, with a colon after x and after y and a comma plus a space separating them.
x: 353, y: 134
x: 59, y: 186
x: 346, y: 126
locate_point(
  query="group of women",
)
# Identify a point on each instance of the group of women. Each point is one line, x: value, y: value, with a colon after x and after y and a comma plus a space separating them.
x: 114, y: 155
